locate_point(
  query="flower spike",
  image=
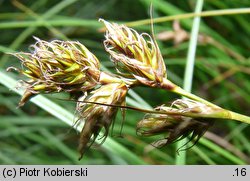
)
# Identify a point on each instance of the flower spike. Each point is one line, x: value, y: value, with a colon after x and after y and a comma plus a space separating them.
x: 134, y: 55
x: 184, y: 118
x: 58, y: 66
x: 98, y: 116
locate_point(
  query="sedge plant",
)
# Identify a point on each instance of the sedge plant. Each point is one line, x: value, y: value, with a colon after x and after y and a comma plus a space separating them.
x: 68, y: 66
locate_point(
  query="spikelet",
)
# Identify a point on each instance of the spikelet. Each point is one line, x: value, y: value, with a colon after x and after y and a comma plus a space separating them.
x: 134, y: 55
x: 58, y: 66
x: 175, y: 124
x: 98, y: 116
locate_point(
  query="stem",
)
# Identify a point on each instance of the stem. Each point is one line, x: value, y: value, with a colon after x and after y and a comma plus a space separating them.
x: 239, y: 117
x: 170, y: 86
x: 188, y: 77
x: 190, y: 15
x: 182, y: 92
x: 221, y: 114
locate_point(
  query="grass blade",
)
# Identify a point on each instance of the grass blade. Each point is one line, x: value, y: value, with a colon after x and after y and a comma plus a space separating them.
x: 188, y: 77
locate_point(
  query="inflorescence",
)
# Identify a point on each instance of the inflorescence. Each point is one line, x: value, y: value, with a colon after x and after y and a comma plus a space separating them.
x: 68, y: 66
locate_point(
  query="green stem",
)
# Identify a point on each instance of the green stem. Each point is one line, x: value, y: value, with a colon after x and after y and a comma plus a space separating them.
x: 168, y: 85
x: 182, y: 92
x: 230, y: 114
x: 239, y: 117
x: 219, y: 113
x: 190, y: 15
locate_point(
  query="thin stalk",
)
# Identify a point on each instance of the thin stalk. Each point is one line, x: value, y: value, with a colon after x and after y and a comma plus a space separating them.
x: 189, y: 95
x: 188, y: 77
x: 239, y: 117
x: 54, y: 22
x: 191, y: 15
x: 219, y: 113
x: 225, y: 114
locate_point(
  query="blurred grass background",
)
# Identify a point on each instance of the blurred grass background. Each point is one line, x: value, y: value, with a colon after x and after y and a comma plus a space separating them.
x: 30, y: 135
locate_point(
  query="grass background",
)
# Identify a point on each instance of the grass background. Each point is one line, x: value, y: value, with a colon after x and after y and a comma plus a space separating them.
x: 31, y: 135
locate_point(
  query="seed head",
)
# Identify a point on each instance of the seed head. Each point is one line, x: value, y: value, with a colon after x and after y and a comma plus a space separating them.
x: 58, y: 66
x: 134, y: 55
x: 97, y: 116
x: 175, y: 125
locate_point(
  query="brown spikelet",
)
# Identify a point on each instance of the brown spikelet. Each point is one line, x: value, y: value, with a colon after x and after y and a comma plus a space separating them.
x: 175, y: 125
x: 98, y: 116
